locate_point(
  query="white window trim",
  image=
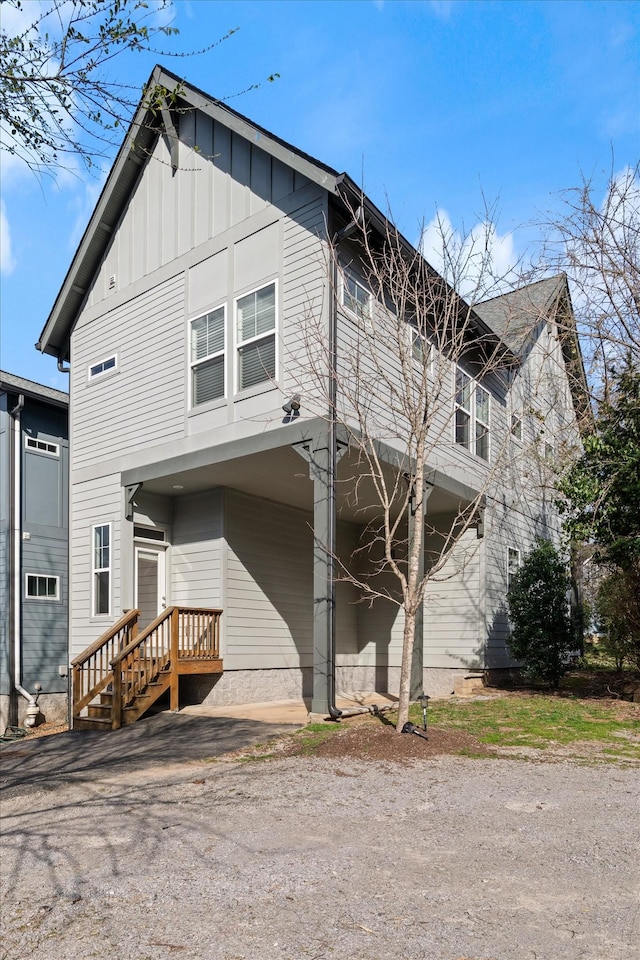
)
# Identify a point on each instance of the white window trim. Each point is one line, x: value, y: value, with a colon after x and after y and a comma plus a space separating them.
x: 41, y: 446
x: 102, y: 373
x: 518, y: 564
x: 365, y: 317
x: 268, y: 383
x: 44, y: 576
x: 516, y: 416
x: 212, y: 356
x: 94, y: 570
x: 473, y: 385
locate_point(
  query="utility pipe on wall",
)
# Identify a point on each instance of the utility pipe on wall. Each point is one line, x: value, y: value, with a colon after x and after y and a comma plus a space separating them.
x: 16, y: 505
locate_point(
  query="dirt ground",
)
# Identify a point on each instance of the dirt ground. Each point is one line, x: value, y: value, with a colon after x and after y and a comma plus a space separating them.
x: 147, y: 846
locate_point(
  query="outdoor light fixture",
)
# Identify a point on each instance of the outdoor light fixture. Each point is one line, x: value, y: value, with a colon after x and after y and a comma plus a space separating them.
x: 292, y: 408
x: 424, y: 701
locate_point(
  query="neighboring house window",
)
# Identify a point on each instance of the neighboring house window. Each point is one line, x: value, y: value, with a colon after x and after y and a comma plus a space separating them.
x: 96, y: 369
x: 513, y: 565
x: 42, y: 446
x: 101, y: 569
x: 256, y: 337
x: 207, y: 357
x: 472, y: 425
x: 516, y: 426
x: 356, y: 297
x: 42, y: 587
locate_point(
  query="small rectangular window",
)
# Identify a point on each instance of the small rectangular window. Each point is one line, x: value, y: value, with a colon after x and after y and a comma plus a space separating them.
x: 207, y: 357
x: 513, y: 564
x: 42, y: 446
x: 42, y: 587
x: 256, y: 337
x: 96, y: 369
x: 101, y: 569
x: 356, y: 297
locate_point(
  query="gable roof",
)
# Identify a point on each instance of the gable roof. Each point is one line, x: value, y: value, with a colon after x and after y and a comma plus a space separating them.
x: 10, y: 383
x: 516, y: 316
x: 146, y: 126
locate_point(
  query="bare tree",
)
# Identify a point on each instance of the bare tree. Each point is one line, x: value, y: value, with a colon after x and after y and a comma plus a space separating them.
x: 595, y: 239
x: 395, y: 388
x: 60, y: 97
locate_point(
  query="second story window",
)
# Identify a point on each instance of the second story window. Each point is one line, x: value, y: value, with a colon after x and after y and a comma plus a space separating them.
x: 256, y: 337
x: 472, y: 413
x: 207, y: 357
x: 356, y: 297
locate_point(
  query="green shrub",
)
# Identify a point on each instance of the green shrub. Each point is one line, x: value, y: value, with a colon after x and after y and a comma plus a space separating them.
x: 541, y: 631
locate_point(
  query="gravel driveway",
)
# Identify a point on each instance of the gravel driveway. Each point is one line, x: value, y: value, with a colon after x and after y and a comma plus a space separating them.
x: 305, y: 858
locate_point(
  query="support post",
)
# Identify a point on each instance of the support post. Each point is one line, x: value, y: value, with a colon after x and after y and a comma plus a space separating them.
x: 174, y: 700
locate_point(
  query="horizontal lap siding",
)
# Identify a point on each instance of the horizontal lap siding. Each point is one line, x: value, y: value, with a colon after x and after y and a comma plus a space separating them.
x: 453, y: 631
x: 304, y: 283
x: 95, y: 502
x: 44, y: 622
x: 196, y: 551
x: 269, y: 615
x: 145, y: 398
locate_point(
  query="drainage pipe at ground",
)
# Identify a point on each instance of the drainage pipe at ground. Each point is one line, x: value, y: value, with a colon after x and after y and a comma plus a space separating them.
x: 16, y: 506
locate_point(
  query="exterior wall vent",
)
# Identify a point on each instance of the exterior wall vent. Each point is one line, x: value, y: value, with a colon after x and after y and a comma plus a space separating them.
x: 112, y: 282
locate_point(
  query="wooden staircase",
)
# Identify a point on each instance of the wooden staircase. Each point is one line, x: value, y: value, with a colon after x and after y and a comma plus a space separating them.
x: 124, y: 672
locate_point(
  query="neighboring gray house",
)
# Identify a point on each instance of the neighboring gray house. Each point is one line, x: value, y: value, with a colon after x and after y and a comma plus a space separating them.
x: 34, y: 469
x: 183, y: 316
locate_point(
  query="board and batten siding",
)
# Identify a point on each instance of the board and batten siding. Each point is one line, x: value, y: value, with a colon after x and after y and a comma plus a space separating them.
x: 197, y: 550
x: 142, y: 402
x: 220, y: 184
x: 94, y: 502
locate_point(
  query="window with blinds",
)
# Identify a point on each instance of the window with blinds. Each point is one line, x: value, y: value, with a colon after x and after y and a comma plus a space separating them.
x: 256, y: 337
x: 207, y: 357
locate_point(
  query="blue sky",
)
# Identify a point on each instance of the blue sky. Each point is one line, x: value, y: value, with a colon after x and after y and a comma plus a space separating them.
x: 430, y: 104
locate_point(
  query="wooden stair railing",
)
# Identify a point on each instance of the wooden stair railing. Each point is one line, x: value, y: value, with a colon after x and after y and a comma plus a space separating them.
x: 181, y: 640
x: 91, y: 670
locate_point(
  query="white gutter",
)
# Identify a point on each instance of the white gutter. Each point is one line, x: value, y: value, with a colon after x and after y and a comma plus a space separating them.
x: 16, y: 486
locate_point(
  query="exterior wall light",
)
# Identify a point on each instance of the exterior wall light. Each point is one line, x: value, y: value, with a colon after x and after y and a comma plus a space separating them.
x: 292, y: 408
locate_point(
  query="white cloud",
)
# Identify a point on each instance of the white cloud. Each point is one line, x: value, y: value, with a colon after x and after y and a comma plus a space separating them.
x: 479, y: 263
x: 7, y: 260
x: 83, y: 206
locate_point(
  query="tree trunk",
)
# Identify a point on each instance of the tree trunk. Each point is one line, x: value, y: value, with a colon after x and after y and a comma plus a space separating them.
x: 405, y: 670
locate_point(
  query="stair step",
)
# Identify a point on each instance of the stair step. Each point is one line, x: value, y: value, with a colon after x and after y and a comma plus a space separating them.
x: 98, y: 711
x: 91, y: 723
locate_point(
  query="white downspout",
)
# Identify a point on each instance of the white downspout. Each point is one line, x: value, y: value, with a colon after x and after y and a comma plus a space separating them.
x: 32, y: 708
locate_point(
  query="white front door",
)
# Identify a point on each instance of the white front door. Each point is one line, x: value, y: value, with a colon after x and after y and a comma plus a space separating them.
x: 150, y: 598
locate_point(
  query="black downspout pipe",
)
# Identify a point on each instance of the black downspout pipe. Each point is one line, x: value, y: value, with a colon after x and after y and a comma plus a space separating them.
x: 346, y: 231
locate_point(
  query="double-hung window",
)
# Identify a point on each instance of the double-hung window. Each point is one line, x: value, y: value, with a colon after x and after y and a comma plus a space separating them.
x: 101, y: 569
x: 513, y: 564
x: 472, y: 415
x: 356, y: 297
x: 256, y: 337
x: 207, y: 357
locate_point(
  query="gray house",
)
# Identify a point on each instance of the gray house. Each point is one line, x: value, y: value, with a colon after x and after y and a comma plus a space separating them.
x: 190, y: 316
x: 34, y: 468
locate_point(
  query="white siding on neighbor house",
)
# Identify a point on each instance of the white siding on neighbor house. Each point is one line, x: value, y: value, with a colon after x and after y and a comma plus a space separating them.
x: 94, y: 502
x: 197, y: 550
x: 142, y: 402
